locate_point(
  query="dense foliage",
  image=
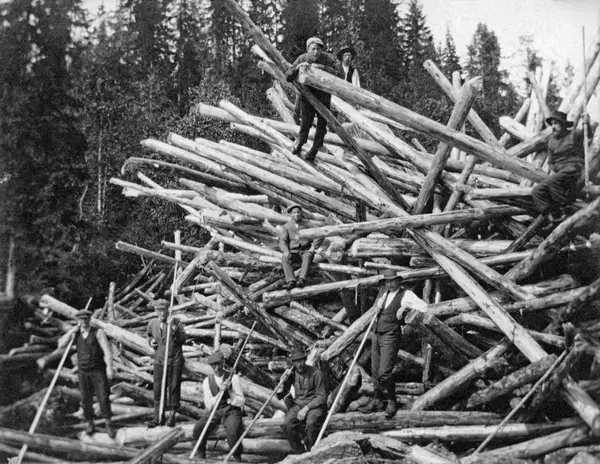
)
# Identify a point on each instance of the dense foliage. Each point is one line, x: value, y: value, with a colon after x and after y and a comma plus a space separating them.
x: 79, y: 93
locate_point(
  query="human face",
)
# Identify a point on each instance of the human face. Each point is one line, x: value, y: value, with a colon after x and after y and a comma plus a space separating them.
x: 85, y: 322
x: 161, y: 313
x: 300, y: 365
x: 346, y: 58
x: 314, y: 50
x: 218, y: 368
x: 557, y: 127
x: 296, y: 214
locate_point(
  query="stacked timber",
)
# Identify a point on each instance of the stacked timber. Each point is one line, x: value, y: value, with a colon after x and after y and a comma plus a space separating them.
x: 502, y: 367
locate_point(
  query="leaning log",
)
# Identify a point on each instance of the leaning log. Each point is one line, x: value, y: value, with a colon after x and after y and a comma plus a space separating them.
x: 158, y: 448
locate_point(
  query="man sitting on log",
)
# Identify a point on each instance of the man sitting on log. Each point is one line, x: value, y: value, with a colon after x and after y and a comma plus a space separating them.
x: 157, y: 337
x: 229, y: 409
x: 94, y: 363
x: 565, y: 162
x: 393, y: 301
x: 320, y: 59
x: 307, y: 413
x: 295, y: 249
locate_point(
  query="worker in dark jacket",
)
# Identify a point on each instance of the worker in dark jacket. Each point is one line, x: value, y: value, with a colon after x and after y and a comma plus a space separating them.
x: 309, y: 408
x: 157, y: 337
x: 392, y: 302
x: 229, y: 409
x: 94, y: 362
x: 565, y: 162
x: 295, y: 249
x: 322, y: 60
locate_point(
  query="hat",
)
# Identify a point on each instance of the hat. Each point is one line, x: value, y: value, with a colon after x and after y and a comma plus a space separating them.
x: 83, y: 313
x: 560, y: 117
x: 292, y: 206
x: 298, y: 353
x: 347, y: 49
x: 313, y: 40
x: 389, y: 273
x: 215, y: 358
x: 160, y: 304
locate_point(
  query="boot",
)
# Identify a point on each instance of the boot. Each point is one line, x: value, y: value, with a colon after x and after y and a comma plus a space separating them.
x: 110, y: 429
x: 392, y: 407
x: 312, y: 153
x: 171, y: 419
x: 375, y: 405
x: 155, y: 420
x: 91, y: 428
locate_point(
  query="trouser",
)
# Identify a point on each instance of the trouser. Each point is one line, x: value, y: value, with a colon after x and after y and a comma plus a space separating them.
x: 305, y: 257
x: 229, y: 417
x: 90, y: 382
x: 173, y: 385
x: 384, y: 352
x: 556, y: 190
x: 295, y: 429
x: 308, y: 113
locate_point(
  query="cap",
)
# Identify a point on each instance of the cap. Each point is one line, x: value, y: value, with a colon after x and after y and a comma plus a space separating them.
x: 160, y: 304
x: 313, y: 40
x: 215, y: 358
x: 298, y: 353
x: 83, y: 313
x: 292, y: 206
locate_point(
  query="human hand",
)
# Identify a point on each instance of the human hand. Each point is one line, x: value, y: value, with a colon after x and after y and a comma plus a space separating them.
x: 585, y: 119
x: 302, y: 413
x: 153, y: 343
x: 318, y: 66
x: 226, y: 384
x: 109, y: 372
x: 287, y: 256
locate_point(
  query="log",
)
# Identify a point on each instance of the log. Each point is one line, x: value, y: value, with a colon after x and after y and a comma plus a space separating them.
x: 128, y: 248
x: 159, y: 448
x: 512, y: 381
x: 358, y: 96
x: 460, y: 379
x: 462, y: 107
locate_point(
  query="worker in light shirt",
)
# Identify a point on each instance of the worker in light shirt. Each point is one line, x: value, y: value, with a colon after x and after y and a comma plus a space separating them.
x: 229, y: 409
x: 393, y: 302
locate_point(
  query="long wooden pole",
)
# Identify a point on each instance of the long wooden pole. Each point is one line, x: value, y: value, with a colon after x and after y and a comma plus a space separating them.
x: 283, y: 378
x: 585, y: 126
x: 220, y: 395
x: 347, y: 376
x: 522, y: 402
x: 163, y: 383
x: 40, y: 410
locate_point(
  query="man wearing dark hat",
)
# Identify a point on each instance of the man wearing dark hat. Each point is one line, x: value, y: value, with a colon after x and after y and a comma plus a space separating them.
x: 565, y: 162
x: 306, y: 415
x: 296, y: 249
x: 392, y: 301
x: 322, y: 60
x: 157, y: 337
x: 229, y: 409
x: 346, y: 55
x: 94, y: 363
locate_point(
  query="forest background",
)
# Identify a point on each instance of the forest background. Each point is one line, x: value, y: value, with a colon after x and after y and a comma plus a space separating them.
x: 79, y: 93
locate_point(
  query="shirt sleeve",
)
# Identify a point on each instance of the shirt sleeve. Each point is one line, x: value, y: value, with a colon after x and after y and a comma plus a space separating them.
x: 356, y: 78
x: 236, y: 393
x: 209, y: 399
x: 284, y: 239
x: 320, y: 391
x: 103, y: 341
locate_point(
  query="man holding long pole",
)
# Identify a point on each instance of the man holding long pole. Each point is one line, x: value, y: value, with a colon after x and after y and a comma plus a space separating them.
x: 94, y: 361
x: 158, y: 336
x: 228, y: 411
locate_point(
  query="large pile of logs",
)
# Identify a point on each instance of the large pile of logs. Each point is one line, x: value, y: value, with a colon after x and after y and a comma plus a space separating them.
x: 512, y: 316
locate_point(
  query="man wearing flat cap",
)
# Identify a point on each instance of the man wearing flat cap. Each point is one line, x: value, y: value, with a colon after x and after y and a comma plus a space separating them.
x: 296, y: 249
x: 322, y: 60
x: 393, y: 301
x: 157, y: 337
x: 94, y: 362
x: 229, y: 409
x: 305, y: 417
x: 565, y: 162
x: 349, y: 73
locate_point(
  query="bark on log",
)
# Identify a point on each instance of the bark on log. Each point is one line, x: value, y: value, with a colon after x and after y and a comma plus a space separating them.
x: 158, y: 448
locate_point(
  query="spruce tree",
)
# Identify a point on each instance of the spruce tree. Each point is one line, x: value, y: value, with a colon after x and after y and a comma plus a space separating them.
x: 300, y: 22
x: 449, y: 61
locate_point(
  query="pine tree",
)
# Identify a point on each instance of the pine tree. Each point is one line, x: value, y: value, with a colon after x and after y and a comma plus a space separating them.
x: 448, y: 57
x: 417, y: 41
x: 498, y: 97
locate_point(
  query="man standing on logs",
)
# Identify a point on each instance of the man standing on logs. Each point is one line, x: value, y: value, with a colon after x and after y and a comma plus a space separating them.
x: 295, y: 249
x: 229, y: 410
x: 157, y: 337
x: 306, y: 415
x: 565, y: 162
x: 322, y: 60
x: 350, y: 74
x: 94, y: 362
x: 393, y: 301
